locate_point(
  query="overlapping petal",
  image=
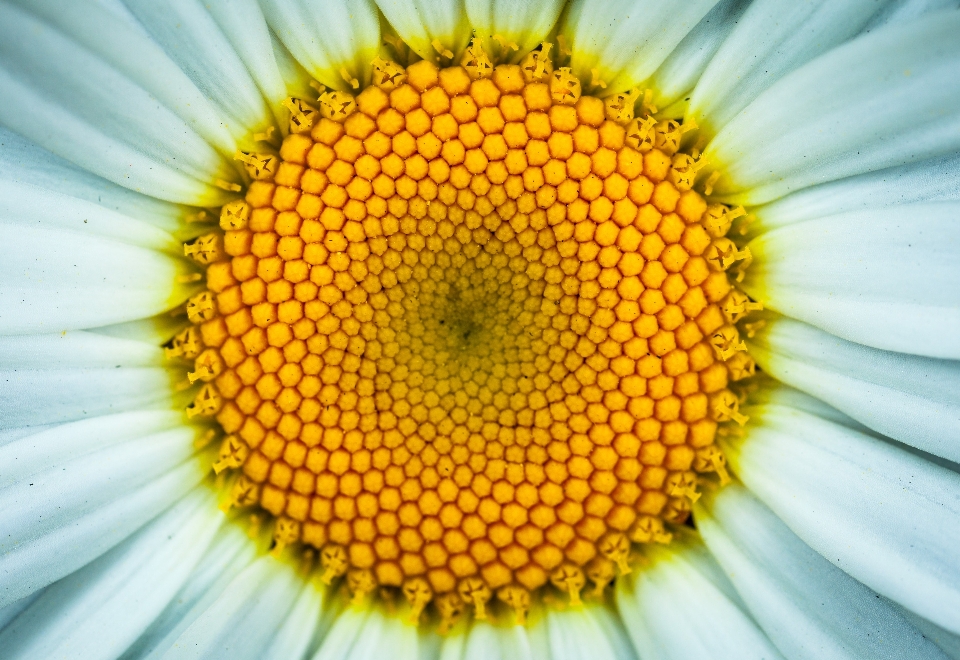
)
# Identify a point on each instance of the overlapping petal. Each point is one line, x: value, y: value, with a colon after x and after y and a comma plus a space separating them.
x: 102, y: 608
x: 683, y: 589
x: 683, y: 67
x: 771, y: 38
x: 809, y: 608
x: 81, y: 107
x: 880, y: 277
x: 329, y: 39
x: 888, y: 98
x: 913, y: 399
x: 622, y: 42
x: 884, y: 515
x: 519, y: 25
x: 59, y: 519
x: 426, y: 24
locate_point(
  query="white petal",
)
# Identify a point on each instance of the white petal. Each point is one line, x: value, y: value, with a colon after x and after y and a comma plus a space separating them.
x: 885, y: 99
x: 915, y: 400
x: 929, y: 180
x: 947, y: 641
x: 59, y: 520
x: 613, y: 629
x: 44, y: 396
x: 298, y: 80
x: 579, y: 634
x: 55, y: 446
x: 156, y: 330
x: 26, y: 205
x: 56, y: 280
x: 98, y: 611
x: 344, y: 633
x: 24, y: 162
x: 487, y: 642
x: 67, y: 100
x: 367, y: 634
x: 677, y: 592
x: 771, y: 39
x: 229, y: 554
x: 76, y: 350
x: 10, y: 435
x: 192, y: 39
x: 421, y: 22
x: 525, y: 24
x: 806, y: 605
x: 13, y: 610
x: 682, y: 69
x: 626, y: 40
x: 123, y: 44
x: 298, y: 628
x: 882, y: 277
x: 328, y: 37
x: 242, y: 622
x: 901, y: 11
x: 885, y: 516
x: 244, y: 25
x: 788, y: 396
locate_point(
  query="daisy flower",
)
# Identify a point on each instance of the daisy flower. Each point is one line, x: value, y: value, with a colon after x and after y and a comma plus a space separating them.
x: 607, y: 329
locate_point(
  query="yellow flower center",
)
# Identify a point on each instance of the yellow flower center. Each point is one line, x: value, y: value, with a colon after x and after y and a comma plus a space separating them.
x: 470, y: 335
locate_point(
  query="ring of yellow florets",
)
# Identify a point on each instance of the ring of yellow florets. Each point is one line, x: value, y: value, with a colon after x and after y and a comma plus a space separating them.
x: 470, y: 334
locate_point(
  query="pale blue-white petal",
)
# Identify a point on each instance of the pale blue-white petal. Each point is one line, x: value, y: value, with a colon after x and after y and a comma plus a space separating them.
x: 369, y: 634
x: 887, y: 517
x: 580, y: 633
x: 13, y: 610
x: 27, y: 205
x: 10, y: 435
x: 771, y: 39
x: 244, y: 25
x: 242, y: 622
x: 420, y: 23
x: 299, y: 628
x: 915, y: 400
x: 936, y: 179
x: 123, y: 44
x: 191, y: 38
x: 486, y: 642
x: 625, y: 41
x: 24, y: 162
x: 36, y: 452
x: 69, y: 101
x: 613, y: 628
x: 947, y: 641
x: 76, y: 349
x: 881, y: 277
x: 31, y: 397
x: 524, y: 24
x: 787, y: 396
x: 298, y: 80
x: 901, y: 11
x: 677, y: 591
x: 683, y: 67
x: 58, y: 520
x: 56, y: 280
x: 328, y: 38
x: 888, y: 98
x: 98, y: 611
x: 229, y: 554
x: 808, y: 607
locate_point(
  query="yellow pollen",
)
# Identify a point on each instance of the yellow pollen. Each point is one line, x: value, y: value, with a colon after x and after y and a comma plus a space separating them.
x: 469, y: 334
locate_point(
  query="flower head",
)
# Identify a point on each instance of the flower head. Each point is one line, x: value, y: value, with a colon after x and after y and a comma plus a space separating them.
x: 460, y: 328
